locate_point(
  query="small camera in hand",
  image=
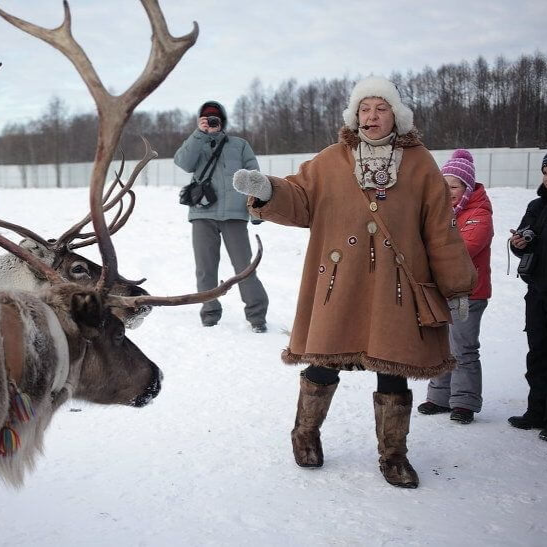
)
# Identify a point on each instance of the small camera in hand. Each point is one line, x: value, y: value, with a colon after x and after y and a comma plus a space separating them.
x: 526, y: 233
x: 213, y: 121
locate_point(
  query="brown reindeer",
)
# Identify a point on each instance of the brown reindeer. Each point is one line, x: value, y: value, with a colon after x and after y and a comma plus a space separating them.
x: 65, y: 340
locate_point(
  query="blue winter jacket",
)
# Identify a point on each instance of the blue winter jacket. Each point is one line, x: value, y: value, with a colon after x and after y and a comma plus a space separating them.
x: 236, y: 154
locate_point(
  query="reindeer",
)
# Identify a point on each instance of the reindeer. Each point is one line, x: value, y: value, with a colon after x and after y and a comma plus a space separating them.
x: 64, y: 340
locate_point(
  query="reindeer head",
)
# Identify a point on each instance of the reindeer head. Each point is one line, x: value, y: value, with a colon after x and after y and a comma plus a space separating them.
x: 113, y: 369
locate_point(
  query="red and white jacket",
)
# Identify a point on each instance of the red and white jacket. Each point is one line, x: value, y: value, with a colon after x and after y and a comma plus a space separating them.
x: 476, y: 227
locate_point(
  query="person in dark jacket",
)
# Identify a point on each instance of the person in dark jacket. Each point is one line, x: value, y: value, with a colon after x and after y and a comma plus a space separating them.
x: 228, y: 217
x: 460, y: 391
x: 535, y: 219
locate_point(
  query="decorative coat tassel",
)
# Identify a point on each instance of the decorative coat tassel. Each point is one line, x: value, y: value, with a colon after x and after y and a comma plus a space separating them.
x: 372, y: 260
x: 331, y: 284
x: 20, y: 404
x: 399, y: 295
x: 9, y: 441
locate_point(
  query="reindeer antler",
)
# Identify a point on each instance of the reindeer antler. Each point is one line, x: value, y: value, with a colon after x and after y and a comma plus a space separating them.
x: 195, y: 298
x: 90, y: 237
x: 165, y: 53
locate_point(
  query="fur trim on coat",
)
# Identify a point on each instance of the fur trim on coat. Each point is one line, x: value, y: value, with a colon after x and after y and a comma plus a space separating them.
x: 361, y: 361
x: 349, y: 137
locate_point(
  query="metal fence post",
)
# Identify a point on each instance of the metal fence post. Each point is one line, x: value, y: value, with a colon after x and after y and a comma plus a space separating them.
x: 528, y: 171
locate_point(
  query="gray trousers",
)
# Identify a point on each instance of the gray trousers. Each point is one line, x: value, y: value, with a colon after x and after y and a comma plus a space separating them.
x: 462, y: 388
x: 206, y: 234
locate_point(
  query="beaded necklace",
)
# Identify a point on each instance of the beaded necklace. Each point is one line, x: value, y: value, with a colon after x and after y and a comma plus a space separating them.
x: 380, y: 177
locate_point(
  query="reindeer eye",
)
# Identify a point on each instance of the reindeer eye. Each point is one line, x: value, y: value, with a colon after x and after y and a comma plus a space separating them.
x: 79, y: 270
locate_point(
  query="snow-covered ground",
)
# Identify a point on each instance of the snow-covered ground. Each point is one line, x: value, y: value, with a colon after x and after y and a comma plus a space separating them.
x: 210, y: 461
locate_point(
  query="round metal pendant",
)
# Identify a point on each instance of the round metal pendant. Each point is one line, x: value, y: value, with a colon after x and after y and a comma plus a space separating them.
x: 380, y: 177
x: 335, y: 256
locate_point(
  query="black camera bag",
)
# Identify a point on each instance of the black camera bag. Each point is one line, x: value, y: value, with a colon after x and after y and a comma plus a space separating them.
x: 200, y: 192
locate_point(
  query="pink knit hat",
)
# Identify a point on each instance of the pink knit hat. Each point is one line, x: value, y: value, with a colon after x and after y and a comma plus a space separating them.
x: 460, y: 165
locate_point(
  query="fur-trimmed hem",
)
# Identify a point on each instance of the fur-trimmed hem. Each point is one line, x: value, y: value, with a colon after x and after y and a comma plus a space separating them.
x: 361, y: 361
x: 350, y: 138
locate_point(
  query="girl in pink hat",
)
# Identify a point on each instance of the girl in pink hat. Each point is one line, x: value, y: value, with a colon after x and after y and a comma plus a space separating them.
x: 460, y: 391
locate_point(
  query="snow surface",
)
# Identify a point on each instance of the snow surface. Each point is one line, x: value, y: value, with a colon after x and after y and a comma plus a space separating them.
x: 210, y: 461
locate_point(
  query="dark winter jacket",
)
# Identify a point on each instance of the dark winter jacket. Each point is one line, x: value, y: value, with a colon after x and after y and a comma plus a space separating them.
x: 538, y: 278
x: 193, y: 155
x: 476, y: 228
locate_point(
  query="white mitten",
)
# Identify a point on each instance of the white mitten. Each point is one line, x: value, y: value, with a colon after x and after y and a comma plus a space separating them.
x: 459, y: 307
x: 253, y: 183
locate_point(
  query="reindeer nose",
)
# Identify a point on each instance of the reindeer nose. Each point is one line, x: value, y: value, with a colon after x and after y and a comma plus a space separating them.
x: 153, y: 389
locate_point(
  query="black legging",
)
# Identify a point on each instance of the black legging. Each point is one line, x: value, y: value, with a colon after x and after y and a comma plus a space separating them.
x: 387, y: 383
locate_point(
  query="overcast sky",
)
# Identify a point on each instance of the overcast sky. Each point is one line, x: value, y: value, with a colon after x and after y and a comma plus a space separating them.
x: 242, y: 40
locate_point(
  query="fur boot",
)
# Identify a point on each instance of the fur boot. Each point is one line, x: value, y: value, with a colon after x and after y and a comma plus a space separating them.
x: 313, y: 405
x: 392, y: 413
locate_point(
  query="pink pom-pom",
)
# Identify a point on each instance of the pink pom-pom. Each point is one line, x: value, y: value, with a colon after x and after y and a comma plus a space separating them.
x: 462, y: 153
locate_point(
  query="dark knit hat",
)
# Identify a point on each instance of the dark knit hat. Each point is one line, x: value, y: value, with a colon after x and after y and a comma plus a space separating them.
x: 211, y: 110
x: 544, y: 163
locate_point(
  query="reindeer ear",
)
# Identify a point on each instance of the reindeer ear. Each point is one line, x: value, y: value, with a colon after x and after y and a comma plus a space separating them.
x: 45, y: 255
x: 87, y: 309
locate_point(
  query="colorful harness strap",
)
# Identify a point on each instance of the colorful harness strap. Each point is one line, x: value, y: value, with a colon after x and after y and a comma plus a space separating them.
x: 20, y: 407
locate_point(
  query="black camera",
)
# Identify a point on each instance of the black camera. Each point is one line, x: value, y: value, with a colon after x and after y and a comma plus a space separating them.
x: 526, y: 233
x: 213, y: 121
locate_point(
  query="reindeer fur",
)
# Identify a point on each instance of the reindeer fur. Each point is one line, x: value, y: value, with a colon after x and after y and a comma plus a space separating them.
x: 45, y: 372
x: 73, y: 346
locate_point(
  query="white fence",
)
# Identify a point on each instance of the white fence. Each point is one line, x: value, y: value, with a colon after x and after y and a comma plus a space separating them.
x: 494, y: 167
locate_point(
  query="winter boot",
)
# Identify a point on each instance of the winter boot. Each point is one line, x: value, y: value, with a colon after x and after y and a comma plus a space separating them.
x: 462, y: 415
x: 526, y: 421
x: 392, y: 412
x: 313, y: 405
x: 431, y: 408
x: 543, y: 434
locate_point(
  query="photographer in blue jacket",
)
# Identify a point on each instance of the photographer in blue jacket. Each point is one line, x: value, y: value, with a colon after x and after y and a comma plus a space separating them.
x: 227, y: 218
x: 531, y: 237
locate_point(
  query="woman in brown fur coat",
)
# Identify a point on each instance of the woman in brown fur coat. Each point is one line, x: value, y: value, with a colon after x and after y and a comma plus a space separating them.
x: 356, y: 308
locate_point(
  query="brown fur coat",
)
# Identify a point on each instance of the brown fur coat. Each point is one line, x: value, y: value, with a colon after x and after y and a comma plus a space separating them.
x: 361, y: 325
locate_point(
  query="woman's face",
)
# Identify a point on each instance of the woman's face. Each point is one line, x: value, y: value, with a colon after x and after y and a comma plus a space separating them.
x: 456, y: 187
x: 377, y: 115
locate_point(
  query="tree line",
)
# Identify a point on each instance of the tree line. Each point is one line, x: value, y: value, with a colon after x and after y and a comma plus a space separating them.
x: 465, y: 105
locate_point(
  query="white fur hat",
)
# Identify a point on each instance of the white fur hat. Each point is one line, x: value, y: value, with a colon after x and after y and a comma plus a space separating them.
x: 378, y: 86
